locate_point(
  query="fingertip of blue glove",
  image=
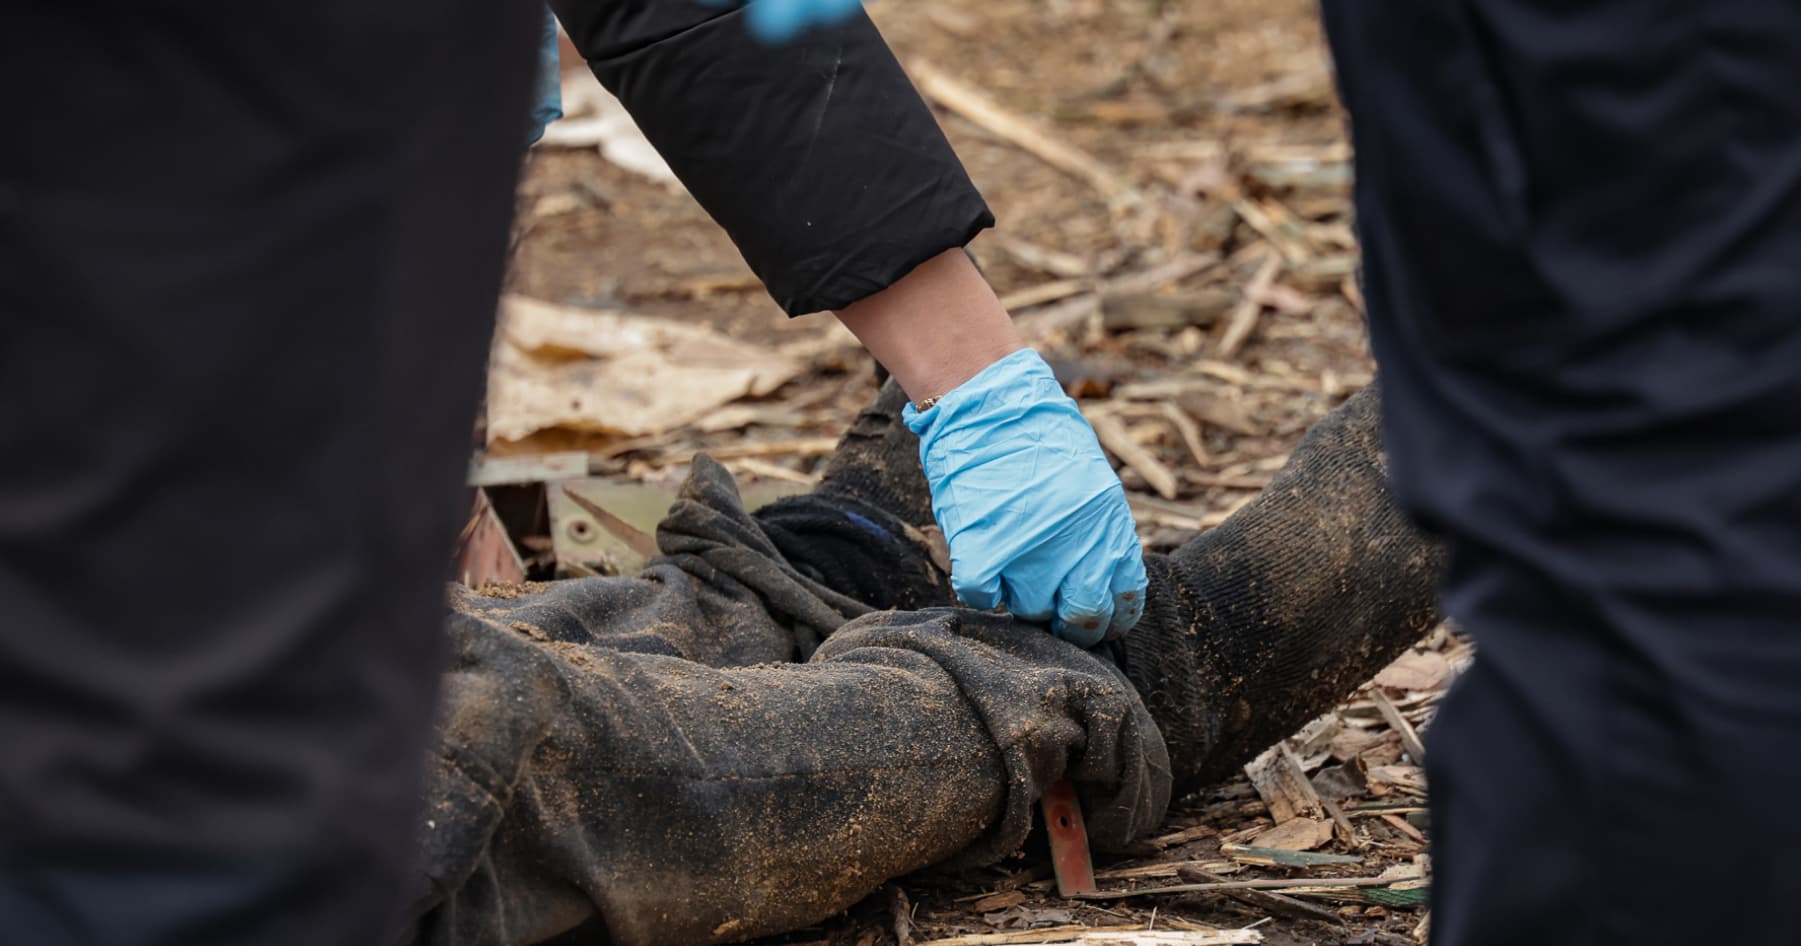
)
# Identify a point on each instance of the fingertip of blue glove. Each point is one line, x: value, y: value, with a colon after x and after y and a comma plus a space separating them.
x: 1082, y: 630
x: 981, y: 595
x: 779, y: 21
x: 1128, y: 608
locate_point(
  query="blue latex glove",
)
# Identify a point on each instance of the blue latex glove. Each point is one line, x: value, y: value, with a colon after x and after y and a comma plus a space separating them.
x: 547, y: 95
x: 778, y: 21
x: 1035, y: 516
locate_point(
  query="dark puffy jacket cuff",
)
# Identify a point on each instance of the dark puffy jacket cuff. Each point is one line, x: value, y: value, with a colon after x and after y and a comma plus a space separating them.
x: 819, y: 158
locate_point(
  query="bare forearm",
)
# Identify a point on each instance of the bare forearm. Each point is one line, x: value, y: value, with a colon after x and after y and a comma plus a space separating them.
x: 935, y: 328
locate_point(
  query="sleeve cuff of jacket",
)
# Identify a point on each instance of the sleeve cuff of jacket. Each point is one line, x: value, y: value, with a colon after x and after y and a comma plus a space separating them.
x: 819, y: 157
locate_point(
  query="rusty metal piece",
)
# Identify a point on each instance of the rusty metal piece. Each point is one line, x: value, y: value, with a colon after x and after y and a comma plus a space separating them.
x: 484, y: 552
x: 1068, y: 834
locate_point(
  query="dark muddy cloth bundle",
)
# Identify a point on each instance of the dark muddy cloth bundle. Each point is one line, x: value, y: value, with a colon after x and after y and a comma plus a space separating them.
x: 595, y: 765
x: 1270, y: 619
x: 634, y: 760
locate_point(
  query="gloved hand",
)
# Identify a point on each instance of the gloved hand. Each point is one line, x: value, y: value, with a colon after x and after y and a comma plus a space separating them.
x: 778, y: 21
x: 1035, y: 516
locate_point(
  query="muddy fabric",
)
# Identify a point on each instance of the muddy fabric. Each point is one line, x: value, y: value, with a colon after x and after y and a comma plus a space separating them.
x: 594, y: 769
x: 1265, y: 622
x: 595, y: 774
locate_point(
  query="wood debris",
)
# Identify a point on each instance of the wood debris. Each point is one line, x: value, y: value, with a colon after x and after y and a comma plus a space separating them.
x: 1410, y: 739
x: 965, y: 101
x: 1120, y: 443
x: 1295, y: 834
x: 1280, y: 781
x: 1088, y: 936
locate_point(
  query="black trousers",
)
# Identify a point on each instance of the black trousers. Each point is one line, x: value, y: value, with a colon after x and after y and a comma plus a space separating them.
x: 249, y: 255
x: 1582, y: 228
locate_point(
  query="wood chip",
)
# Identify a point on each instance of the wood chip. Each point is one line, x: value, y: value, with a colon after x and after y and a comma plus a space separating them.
x: 1183, y: 836
x: 1352, y: 743
x: 1283, y: 785
x: 1408, y: 778
x: 1416, y: 670
x: 999, y: 901
x: 1296, y: 834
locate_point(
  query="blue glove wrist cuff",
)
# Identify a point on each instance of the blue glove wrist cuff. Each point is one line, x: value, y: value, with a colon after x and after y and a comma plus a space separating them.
x: 1009, y: 376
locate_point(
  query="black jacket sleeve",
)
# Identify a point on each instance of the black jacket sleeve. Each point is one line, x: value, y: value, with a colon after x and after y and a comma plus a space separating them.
x: 818, y: 157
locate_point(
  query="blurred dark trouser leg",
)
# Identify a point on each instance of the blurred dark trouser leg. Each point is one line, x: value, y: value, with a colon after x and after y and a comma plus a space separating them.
x: 1580, y: 225
x: 248, y: 260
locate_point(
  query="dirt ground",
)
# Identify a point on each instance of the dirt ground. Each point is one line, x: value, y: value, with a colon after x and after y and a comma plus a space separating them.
x: 1188, y: 273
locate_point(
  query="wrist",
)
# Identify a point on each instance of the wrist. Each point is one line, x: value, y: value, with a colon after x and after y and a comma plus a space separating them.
x: 935, y: 328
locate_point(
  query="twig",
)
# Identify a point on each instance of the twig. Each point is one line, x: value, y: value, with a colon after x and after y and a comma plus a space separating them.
x: 1276, y: 224
x: 1119, y: 442
x: 1273, y: 902
x: 1347, y: 835
x: 1243, y: 320
x: 1104, y: 936
x: 1401, y: 825
x: 1410, y: 737
x: 1036, y: 325
x: 1261, y: 884
x: 1188, y: 430
x: 989, y: 114
x: 1353, y: 292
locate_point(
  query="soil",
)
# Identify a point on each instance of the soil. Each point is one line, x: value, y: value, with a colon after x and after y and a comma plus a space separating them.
x: 1222, y: 117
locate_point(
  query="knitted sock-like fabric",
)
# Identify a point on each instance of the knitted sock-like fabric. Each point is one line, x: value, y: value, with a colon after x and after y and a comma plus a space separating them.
x: 877, y: 462
x: 1254, y: 628
x: 867, y: 531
